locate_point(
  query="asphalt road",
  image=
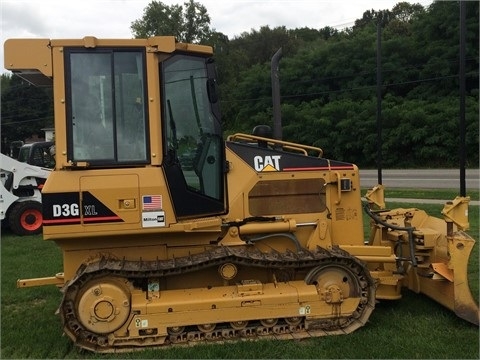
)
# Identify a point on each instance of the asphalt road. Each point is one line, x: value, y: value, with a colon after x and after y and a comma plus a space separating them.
x: 426, y: 179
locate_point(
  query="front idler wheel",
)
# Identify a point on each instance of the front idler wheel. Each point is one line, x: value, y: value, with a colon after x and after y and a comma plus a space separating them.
x: 104, y: 306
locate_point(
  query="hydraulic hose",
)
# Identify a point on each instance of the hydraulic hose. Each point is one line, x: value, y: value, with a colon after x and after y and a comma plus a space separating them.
x: 408, y: 229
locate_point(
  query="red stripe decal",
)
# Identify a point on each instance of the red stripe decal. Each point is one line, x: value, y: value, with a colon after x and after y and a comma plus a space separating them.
x: 319, y: 168
x: 61, y: 221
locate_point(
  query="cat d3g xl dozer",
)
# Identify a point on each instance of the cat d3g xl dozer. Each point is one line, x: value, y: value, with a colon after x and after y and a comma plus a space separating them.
x: 171, y: 234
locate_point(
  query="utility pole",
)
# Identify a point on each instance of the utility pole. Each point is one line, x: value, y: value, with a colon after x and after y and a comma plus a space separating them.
x: 379, y: 101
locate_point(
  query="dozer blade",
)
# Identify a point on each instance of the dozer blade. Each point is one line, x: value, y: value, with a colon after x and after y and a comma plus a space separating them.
x: 437, y: 251
x: 446, y: 281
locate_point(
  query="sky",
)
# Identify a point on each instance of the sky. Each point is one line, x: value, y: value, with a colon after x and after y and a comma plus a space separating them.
x: 56, y: 19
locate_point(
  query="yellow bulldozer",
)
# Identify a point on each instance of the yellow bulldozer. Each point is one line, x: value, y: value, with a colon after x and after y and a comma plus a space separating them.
x: 172, y: 234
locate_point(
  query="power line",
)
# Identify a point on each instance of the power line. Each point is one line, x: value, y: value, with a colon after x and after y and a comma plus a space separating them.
x: 367, y: 87
x: 21, y: 122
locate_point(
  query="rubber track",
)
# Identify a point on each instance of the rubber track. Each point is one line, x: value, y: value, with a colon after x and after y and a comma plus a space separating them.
x: 249, y: 256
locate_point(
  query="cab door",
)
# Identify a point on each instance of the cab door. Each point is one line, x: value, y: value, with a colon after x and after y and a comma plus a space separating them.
x: 194, y: 161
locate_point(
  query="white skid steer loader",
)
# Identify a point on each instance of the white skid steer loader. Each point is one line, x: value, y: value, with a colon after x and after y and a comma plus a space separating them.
x: 20, y: 196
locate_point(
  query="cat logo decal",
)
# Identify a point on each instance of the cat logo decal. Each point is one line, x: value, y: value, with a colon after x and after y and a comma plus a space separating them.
x: 267, y: 163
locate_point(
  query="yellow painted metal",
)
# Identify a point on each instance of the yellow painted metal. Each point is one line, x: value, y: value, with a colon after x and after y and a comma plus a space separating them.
x: 104, y: 307
x: 177, y: 308
x: 19, y: 59
x: 442, y: 254
x: 456, y: 294
x: 374, y: 255
x: 371, y: 251
x: 376, y: 196
x: 388, y: 284
x: 456, y: 211
x: 57, y: 280
x: 228, y: 271
x: 443, y: 270
x: 300, y: 148
x: 286, y: 225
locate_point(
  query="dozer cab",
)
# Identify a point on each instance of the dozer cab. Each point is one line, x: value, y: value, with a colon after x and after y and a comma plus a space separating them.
x: 172, y: 234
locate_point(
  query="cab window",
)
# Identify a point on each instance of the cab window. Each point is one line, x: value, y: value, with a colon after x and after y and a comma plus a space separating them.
x: 106, y: 111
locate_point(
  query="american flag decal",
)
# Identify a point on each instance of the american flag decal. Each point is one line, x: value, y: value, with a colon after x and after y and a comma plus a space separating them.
x: 152, y: 202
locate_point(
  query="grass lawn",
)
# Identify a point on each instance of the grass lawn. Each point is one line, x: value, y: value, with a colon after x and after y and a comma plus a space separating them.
x: 412, y: 328
x: 443, y: 194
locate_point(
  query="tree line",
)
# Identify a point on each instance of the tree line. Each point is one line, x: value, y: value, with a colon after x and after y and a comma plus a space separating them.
x: 327, y: 82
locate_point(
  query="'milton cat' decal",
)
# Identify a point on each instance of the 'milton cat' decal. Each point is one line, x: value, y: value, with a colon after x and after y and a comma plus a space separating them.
x: 152, y: 213
x: 66, y: 209
x: 264, y: 159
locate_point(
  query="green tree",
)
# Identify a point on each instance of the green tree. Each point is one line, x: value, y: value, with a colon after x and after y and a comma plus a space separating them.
x: 25, y: 109
x: 373, y: 16
x: 196, y: 27
x: 404, y: 14
x: 189, y: 23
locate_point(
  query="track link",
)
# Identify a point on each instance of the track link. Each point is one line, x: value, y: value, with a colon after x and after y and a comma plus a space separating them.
x: 285, y: 328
